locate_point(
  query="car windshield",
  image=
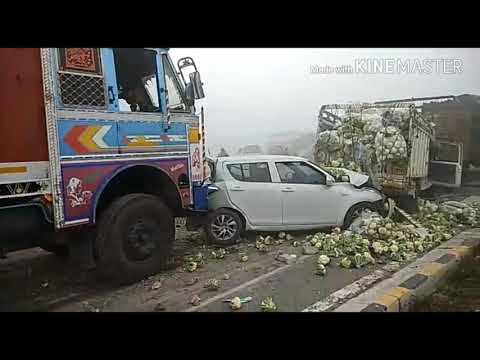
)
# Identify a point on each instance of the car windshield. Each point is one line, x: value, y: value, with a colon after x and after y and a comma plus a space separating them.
x: 322, y: 168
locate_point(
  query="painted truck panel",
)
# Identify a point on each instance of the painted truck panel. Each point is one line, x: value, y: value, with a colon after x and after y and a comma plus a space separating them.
x: 154, y: 136
x: 87, y: 137
x: 93, y: 137
x: 83, y: 183
x: 22, y: 115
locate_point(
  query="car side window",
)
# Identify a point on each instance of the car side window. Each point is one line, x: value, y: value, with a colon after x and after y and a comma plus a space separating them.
x: 236, y: 171
x: 250, y: 172
x: 298, y: 172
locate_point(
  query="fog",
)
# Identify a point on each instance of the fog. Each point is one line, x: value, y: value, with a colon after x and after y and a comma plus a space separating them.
x: 252, y: 94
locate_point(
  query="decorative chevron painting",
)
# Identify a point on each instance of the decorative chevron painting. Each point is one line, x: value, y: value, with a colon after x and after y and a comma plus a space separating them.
x: 90, y: 137
x: 83, y: 137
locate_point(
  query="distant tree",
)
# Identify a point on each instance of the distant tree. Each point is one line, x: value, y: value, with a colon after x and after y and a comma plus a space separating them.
x: 222, y: 153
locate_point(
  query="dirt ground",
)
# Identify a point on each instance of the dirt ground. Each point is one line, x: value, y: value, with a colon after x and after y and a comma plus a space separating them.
x: 462, y: 291
x: 460, y: 294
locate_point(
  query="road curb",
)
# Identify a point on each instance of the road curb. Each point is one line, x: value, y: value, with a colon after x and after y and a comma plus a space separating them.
x: 417, y: 280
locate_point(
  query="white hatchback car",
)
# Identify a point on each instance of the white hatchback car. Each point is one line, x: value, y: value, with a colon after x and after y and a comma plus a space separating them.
x: 278, y: 193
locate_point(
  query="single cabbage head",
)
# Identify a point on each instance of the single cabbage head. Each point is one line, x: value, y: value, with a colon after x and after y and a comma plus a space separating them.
x: 358, y: 260
x: 394, y: 248
x: 377, y: 247
x: 323, y: 259
x: 212, y: 284
x: 191, y: 266
x: 346, y: 263
x: 321, y: 270
x: 235, y: 303
x: 368, y: 258
x: 268, y: 305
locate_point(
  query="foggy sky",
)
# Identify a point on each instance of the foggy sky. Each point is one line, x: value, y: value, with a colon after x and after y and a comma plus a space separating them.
x: 251, y: 93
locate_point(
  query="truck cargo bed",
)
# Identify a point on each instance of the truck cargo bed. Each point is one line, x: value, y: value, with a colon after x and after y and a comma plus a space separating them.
x: 23, y: 144
x: 22, y: 116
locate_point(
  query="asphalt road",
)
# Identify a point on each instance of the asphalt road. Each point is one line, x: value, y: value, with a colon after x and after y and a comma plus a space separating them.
x: 34, y: 280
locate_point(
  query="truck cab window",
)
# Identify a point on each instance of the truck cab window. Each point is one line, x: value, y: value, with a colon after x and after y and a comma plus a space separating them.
x: 136, y: 71
x: 80, y: 78
x: 175, y: 100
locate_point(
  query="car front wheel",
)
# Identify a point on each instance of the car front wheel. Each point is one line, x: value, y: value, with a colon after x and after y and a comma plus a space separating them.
x: 224, y: 227
x: 356, y: 211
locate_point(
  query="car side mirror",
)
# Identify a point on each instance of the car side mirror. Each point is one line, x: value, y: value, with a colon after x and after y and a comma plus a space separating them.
x: 345, y: 178
x: 329, y: 182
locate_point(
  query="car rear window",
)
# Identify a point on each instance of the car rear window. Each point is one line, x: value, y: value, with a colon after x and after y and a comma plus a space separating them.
x: 250, y: 172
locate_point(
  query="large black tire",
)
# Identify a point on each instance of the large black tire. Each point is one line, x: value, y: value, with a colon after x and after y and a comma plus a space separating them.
x: 230, y: 217
x: 135, y: 236
x: 354, y: 211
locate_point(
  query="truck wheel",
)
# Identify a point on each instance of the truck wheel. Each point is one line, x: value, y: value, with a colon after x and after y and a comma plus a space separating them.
x: 224, y: 227
x: 354, y: 212
x: 134, y: 239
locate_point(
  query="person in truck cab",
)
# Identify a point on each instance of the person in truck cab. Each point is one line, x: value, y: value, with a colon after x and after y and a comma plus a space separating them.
x: 138, y: 100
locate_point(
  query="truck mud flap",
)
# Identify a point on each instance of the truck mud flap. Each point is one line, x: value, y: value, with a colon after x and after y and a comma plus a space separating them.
x: 22, y: 226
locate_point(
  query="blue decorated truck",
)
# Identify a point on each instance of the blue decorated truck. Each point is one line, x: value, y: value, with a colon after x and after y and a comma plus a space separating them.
x: 101, y: 149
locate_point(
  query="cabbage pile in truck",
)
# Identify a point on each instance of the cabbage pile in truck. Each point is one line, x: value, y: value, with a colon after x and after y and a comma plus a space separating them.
x: 101, y: 149
x: 390, y: 142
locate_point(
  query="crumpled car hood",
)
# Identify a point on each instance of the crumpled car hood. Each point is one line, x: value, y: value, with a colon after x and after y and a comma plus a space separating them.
x: 356, y: 178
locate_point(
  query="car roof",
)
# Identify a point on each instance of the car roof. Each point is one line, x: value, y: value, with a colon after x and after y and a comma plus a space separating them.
x: 242, y: 158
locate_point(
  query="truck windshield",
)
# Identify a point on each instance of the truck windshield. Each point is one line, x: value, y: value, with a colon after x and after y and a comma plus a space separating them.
x: 150, y: 84
x: 136, y: 72
x: 174, y: 93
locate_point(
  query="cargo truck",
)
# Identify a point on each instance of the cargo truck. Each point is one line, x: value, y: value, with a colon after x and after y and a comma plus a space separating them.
x: 101, y: 149
x: 401, y: 180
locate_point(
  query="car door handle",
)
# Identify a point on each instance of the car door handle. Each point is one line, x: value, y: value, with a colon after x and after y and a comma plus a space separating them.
x: 288, y: 189
x: 237, y: 188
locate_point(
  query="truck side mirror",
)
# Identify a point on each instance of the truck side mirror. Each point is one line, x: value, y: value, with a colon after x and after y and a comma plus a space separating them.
x: 197, y: 85
x: 189, y: 94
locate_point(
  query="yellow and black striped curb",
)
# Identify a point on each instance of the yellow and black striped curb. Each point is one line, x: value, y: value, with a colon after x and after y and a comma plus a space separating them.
x: 418, y: 280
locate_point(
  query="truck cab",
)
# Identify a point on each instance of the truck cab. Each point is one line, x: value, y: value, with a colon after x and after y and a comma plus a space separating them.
x: 103, y: 146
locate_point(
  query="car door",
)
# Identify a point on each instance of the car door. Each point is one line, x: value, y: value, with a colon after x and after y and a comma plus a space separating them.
x: 250, y: 189
x: 306, y: 199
